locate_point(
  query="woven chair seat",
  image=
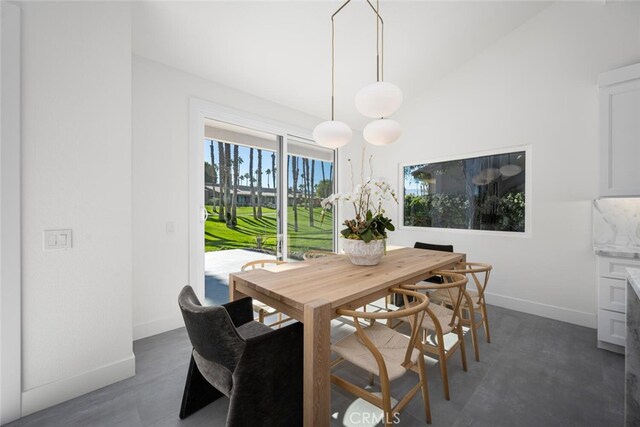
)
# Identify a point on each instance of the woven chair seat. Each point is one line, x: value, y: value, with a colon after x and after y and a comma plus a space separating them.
x: 391, y: 344
x: 442, y: 313
x: 443, y: 296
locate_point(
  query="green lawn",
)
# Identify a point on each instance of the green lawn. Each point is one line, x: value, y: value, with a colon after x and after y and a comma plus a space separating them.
x: 261, y: 233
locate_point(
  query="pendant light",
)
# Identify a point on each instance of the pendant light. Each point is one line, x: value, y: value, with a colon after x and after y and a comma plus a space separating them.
x: 376, y: 100
x: 333, y: 133
x: 380, y: 99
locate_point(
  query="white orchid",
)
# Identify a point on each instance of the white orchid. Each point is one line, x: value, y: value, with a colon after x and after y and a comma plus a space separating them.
x: 368, y: 199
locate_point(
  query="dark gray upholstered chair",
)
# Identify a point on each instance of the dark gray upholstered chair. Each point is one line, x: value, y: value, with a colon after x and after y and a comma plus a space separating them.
x: 434, y: 279
x: 433, y: 247
x: 258, y: 368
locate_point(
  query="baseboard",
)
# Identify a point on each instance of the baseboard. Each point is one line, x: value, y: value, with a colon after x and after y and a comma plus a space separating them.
x: 156, y: 327
x: 51, y: 394
x: 611, y: 347
x: 568, y: 315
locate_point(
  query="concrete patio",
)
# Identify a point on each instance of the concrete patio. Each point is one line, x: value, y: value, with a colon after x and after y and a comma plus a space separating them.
x: 217, y: 267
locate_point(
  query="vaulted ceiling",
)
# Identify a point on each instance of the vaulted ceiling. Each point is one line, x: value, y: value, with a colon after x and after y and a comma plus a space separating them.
x: 280, y: 51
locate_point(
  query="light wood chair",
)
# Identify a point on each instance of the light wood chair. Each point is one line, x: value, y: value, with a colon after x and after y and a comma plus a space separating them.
x: 474, y: 302
x: 314, y: 253
x: 261, y: 308
x: 385, y: 353
x: 441, y: 321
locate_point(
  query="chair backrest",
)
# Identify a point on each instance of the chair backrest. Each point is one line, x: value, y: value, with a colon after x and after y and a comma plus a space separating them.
x: 312, y: 254
x: 453, y: 283
x: 480, y: 273
x: 261, y: 263
x: 416, y: 313
x: 211, y: 330
x: 433, y: 247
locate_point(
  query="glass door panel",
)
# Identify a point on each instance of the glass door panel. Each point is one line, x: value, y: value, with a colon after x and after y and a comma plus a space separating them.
x: 241, y: 202
x: 310, y: 179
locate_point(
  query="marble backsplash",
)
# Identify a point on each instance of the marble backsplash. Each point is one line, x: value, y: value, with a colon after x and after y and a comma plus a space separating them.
x: 616, y: 225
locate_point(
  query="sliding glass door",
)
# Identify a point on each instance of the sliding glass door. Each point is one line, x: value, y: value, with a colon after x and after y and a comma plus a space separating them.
x: 309, y: 180
x: 261, y: 191
x: 241, y: 199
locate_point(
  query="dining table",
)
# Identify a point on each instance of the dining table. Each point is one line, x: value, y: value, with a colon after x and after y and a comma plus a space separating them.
x: 312, y: 291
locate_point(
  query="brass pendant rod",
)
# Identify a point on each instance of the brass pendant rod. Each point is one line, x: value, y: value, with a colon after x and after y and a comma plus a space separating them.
x: 379, y: 42
x: 379, y: 48
x: 333, y: 57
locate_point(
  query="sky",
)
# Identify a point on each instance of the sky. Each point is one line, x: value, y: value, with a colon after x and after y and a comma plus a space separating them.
x: 267, y: 180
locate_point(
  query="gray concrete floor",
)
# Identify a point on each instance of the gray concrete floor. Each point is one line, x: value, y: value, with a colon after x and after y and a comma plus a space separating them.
x: 536, y: 372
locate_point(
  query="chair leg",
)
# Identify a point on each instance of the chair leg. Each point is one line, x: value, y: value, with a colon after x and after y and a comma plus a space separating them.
x: 463, y: 352
x: 485, y: 320
x: 474, y: 333
x: 261, y: 316
x: 443, y: 365
x: 386, y: 402
x: 198, y: 392
x: 279, y: 320
x: 425, y: 387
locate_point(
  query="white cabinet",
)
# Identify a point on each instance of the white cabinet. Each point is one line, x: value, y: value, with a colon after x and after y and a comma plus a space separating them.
x: 612, y: 286
x: 620, y: 132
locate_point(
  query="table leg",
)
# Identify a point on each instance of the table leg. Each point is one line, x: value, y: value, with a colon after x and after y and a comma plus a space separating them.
x: 317, y: 371
x: 233, y: 292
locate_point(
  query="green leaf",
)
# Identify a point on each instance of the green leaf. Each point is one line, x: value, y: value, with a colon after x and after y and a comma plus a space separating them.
x: 346, y: 232
x: 369, y: 215
x: 367, y: 236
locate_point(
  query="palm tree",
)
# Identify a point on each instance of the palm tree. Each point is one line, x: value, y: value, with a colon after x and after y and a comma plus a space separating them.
x: 214, y: 176
x: 259, y: 172
x: 273, y: 168
x: 252, y: 190
x: 311, y: 191
x: 227, y: 186
x: 294, y: 162
x: 221, y: 172
x: 234, y: 201
x: 268, y: 172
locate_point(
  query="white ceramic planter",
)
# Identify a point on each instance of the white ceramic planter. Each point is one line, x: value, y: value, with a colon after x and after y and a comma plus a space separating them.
x: 361, y: 253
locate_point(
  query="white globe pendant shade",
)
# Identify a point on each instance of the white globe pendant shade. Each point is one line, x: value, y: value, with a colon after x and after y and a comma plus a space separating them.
x: 379, y: 99
x: 510, y: 170
x: 332, y: 134
x: 382, y: 132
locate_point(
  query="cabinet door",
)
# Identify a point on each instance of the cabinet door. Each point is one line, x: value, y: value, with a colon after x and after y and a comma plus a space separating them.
x: 620, y: 139
x: 612, y: 294
x: 612, y: 327
x: 616, y: 268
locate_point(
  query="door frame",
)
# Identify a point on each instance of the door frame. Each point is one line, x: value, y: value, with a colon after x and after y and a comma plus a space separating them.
x: 10, y: 212
x: 199, y: 110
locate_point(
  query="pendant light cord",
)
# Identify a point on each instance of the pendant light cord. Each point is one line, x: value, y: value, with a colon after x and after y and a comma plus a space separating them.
x: 379, y: 48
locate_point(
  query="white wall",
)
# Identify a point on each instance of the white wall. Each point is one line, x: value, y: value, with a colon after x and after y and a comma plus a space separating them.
x: 535, y: 86
x: 76, y: 174
x: 160, y: 183
x: 10, y: 307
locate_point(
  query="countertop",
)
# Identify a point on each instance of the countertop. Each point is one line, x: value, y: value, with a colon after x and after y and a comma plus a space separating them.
x: 633, y: 277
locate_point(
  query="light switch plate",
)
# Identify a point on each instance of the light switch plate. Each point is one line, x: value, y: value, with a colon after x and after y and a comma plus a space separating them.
x: 56, y: 239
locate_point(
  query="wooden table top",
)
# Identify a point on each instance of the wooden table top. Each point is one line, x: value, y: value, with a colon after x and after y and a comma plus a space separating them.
x: 335, y: 280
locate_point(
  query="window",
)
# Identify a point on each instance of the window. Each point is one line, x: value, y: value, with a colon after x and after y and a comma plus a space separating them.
x: 477, y: 193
